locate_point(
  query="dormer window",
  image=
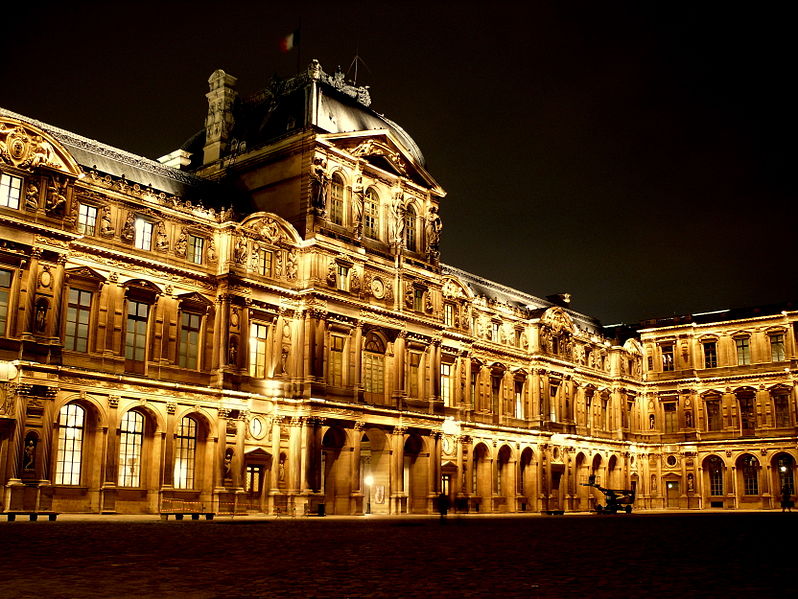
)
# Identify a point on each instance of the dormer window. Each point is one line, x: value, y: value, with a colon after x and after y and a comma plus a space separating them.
x: 776, y: 347
x: 337, y: 200
x: 371, y: 212
x: 87, y: 219
x: 410, y: 229
x: 743, y: 350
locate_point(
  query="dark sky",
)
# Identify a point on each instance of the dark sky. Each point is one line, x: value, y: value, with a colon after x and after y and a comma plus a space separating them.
x: 637, y: 155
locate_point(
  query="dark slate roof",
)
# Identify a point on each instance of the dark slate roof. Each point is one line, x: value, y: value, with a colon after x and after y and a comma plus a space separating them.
x: 94, y: 155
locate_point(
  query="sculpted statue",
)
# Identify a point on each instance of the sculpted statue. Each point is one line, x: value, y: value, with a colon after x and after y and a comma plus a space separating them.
x: 129, y: 228
x: 319, y: 186
x: 434, y: 227
x: 181, y: 244
x: 32, y: 197
x: 291, y: 265
x: 106, y: 226
x: 161, y: 238
x: 212, y: 257
x: 240, y: 253
x: 397, y: 222
x: 56, y: 198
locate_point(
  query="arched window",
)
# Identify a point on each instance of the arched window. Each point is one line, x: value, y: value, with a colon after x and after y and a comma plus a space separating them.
x: 750, y: 468
x: 337, y: 200
x: 131, y: 438
x: 785, y: 466
x: 374, y: 365
x: 71, y: 424
x: 410, y: 229
x: 185, y: 453
x: 371, y: 214
x: 715, y: 469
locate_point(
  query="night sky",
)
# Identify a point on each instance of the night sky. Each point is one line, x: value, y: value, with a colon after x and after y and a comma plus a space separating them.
x: 637, y: 155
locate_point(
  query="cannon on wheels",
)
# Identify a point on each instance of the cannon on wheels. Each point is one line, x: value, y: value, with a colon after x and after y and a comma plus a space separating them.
x: 615, y: 500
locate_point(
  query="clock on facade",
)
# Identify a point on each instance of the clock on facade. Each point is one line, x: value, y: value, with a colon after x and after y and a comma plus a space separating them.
x: 446, y: 443
x: 377, y: 288
x: 257, y: 427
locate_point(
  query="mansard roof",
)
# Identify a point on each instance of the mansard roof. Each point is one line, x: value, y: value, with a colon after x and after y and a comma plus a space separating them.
x: 310, y: 99
x: 497, y: 293
x: 93, y: 155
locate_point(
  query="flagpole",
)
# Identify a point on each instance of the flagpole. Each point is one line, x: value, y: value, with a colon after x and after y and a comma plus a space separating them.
x: 299, y: 46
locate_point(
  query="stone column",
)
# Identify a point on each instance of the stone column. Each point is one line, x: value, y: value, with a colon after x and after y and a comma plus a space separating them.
x: 274, y: 472
x: 398, y: 491
x: 110, y: 466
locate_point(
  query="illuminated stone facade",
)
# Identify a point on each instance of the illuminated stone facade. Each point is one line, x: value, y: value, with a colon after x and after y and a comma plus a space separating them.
x: 261, y: 322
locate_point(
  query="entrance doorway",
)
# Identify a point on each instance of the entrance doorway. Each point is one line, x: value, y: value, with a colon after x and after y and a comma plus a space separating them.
x: 672, y: 493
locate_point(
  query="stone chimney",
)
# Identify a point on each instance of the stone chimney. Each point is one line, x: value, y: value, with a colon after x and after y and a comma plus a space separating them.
x: 219, y: 123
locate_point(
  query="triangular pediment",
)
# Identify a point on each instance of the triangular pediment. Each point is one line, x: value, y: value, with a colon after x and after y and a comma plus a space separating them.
x: 27, y: 147
x: 384, y: 150
x: 84, y: 273
x: 195, y: 299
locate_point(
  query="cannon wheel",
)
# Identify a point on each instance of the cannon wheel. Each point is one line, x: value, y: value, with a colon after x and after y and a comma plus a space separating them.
x: 628, y: 509
x: 599, y: 508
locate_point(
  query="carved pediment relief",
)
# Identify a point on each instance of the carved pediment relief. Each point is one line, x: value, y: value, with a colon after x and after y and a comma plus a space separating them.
x: 453, y: 289
x: 26, y: 147
x: 84, y: 273
x: 270, y: 228
x: 194, y: 299
x: 372, y: 148
x: 558, y: 320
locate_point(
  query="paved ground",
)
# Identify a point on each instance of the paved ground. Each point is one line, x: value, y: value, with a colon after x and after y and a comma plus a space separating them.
x: 722, y: 554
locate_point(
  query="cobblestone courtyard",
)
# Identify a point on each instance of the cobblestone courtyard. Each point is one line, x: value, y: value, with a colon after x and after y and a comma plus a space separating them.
x: 646, y: 555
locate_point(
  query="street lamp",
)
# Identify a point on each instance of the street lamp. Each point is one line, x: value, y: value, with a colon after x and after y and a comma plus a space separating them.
x: 369, y: 480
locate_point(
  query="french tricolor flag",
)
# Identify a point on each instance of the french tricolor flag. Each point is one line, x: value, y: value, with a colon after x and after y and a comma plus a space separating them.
x: 290, y: 41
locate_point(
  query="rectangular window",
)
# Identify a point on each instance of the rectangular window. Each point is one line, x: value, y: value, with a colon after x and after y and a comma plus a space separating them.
x: 10, y: 188
x: 494, y: 331
x: 5, y: 289
x: 337, y: 201
x: 371, y: 218
x: 71, y: 420
x: 713, y: 415
x: 254, y: 476
x: 448, y: 315
x: 196, y: 249
x: 76, y: 331
x: 131, y: 437
x: 343, y: 277
x: 189, y: 340
x: 87, y: 219
x: 710, y: 354
x: 265, y: 259
x: 743, y: 351
x: 519, y: 399
x: 782, y: 407
x: 777, y: 348
x: 473, y: 388
x: 667, y: 358
x: 517, y: 339
x: 143, y: 234
x: 136, y: 335
x: 553, y: 388
x: 336, y: 366
x: 414, y: 361
x: 257, y: 349
x: 446, y: 384
x: 373, y: 372
x: 418, y: 299
x: 671, y: 423
x: 185, y: 453
x: 495, y: 393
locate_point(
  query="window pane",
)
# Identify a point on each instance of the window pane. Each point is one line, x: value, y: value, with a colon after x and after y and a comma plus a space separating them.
x: 131, y: 437
x: 76, y: 330
x: 70, y: 445
x: 185, y: 453
x: 10, y: 188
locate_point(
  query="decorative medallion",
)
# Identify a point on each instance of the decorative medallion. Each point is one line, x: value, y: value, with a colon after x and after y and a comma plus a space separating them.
x: 377, y: 288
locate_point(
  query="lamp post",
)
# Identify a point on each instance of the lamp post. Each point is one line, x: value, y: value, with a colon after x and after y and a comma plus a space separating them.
x: 369, y: 480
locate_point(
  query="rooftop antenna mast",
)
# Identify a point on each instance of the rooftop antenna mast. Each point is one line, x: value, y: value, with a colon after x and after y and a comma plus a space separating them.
x: 357, y: 59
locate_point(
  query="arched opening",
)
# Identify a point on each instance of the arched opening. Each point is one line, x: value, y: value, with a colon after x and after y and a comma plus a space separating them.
x: 411, y: 235
x: 714, y: 480
x: 748, y: 469
x: 481, y: 478
x: 613, y: 473
x: 505, y: 495
x: 374, y: 471
x: 335, y: 482
x: 596, y: 471
x: 783, y: 469
x: 337, y: 200
x: 581, y: 472
x: 526, y: 480
x: 75, y: 461
x: 414, y: 475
